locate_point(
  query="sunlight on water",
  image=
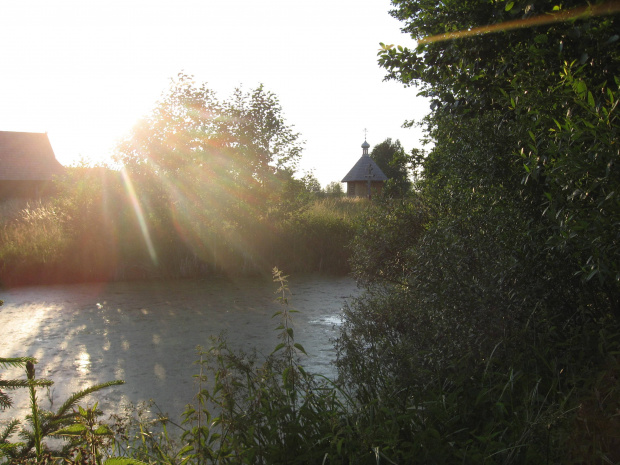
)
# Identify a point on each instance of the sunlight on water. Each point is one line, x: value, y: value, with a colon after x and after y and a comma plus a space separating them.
x: 83, y: 362
x: 78, y: 344
x: 332, y: 320
x: 160, y: 371
x: 119, y: 371
x: 24, y: 329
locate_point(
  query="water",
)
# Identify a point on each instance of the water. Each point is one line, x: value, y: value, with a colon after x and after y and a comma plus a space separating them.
x: 146, y: 333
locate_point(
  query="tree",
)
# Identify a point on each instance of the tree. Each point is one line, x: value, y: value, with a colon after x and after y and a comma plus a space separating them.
x: 391, y: 158
x: 552, y: 99
x: 518, y: 236
x: 334, y: 189
x: 243, y: 139
x: 211, y: 170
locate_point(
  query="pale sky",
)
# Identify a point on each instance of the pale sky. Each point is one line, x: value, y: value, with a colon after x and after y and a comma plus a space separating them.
x: 85, y: 71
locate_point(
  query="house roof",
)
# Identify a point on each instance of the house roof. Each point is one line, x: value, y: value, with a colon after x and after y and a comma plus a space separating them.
x: 365, y: 169
x: 27, y: 156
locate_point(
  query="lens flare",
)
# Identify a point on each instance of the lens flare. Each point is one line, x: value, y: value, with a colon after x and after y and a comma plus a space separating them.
x: 548, y: 18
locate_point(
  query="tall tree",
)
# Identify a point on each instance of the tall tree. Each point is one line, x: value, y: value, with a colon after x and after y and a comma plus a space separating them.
x: 541, y: 80
x: 334, y: 189
x: 515, y: 235
x: 211, y: 169
x: 244, y: 138
x: 391, y: 158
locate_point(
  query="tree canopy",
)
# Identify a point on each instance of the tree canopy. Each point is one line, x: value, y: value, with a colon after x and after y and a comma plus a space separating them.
x: 214, y: 169
x: 391, y: 158
x: 507, y: 261
x: 526, y: 101
x: 244, y: 139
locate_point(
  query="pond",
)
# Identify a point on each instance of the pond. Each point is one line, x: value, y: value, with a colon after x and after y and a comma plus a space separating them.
x: 146, y: 333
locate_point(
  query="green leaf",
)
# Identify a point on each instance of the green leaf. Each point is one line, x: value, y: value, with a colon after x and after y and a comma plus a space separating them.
x: 509, y: 6
x: 278, y: 347
x: 123, y: 461
x: 72, y: 430
x: 591, y: 100
x: 581, y: 89
x: 299, y: 347
x: 541, y: 39
x: 103, y: 430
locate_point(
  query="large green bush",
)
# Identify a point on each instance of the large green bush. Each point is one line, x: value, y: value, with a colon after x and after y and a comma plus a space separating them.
x: 491, y: 317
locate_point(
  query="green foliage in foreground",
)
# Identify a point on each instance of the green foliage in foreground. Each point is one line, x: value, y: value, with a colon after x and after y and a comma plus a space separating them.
x: 491, y: 322
x: 257, y: 410
x: 400, y: 400
x: 246, y: 410
x: 490, y: 329
x: 88, y: 439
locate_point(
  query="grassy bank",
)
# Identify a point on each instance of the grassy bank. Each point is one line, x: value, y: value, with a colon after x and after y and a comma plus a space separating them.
x: 96, y: 228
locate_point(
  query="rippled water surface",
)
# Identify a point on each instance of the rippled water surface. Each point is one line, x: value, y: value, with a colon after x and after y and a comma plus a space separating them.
x: 146, y: 333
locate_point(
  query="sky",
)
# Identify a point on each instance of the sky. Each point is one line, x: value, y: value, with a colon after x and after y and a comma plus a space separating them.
x: 85, y: 71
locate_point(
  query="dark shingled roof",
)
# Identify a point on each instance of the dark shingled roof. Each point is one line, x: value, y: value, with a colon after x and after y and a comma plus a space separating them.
x: 27, y: 156
x: 361, y: 169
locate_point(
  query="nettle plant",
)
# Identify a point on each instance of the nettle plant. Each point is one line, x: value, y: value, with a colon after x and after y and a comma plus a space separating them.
x: 251, y: 409
x: 258, y: 410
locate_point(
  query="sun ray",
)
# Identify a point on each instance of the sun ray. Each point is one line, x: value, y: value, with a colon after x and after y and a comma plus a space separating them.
x: 139, y: 214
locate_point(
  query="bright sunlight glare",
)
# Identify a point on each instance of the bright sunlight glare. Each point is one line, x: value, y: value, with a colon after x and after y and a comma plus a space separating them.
x: 85, y: 72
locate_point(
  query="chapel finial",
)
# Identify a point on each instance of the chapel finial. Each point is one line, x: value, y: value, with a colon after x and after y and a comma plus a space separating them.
x: 365, y: 145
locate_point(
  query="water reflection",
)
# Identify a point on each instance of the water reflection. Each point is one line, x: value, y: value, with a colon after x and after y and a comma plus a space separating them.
x: 146, y: 333
x: 160, y: 371
x: 82, y: 362
x: 331, y: 320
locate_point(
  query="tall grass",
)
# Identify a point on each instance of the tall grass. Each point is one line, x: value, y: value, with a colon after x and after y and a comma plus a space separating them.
x: 345, y: 208
x: 91, y: 231
x: 33, y: 239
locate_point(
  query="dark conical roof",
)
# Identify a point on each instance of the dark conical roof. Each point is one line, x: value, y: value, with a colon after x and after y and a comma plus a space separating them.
x: 365, y: 169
